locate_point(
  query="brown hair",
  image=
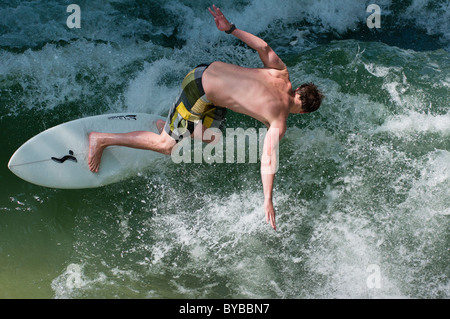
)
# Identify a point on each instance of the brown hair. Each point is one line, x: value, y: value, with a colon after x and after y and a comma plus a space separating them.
x: 310, y: 96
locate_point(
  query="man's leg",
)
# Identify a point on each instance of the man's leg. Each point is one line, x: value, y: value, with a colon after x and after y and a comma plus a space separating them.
x: 160, y: 125
x: 161, y: 143
x: 206, y: 135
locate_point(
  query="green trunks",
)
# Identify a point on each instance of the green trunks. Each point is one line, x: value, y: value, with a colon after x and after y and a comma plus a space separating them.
x: 193, y: 107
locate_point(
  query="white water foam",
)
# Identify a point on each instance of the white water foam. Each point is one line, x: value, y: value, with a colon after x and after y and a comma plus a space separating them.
x: 415, y: 122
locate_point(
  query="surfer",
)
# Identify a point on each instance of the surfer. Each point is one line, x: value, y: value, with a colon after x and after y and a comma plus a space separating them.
x: 208, y: 91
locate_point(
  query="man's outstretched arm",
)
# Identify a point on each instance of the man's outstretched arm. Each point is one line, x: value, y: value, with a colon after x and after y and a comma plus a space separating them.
x: 269, y: 166
x: 269, y: 58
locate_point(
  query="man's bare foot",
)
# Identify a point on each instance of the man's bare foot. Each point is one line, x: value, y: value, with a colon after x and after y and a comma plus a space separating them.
x: 160, y: 125
x: 95, y: 152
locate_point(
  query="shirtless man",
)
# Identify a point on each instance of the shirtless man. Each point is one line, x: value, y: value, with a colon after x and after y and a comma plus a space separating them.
x: 265, y: 94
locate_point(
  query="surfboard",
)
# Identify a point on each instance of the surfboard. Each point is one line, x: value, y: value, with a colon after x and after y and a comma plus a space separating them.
x: 57, y: 157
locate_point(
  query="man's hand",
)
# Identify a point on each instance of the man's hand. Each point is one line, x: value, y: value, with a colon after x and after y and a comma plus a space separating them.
x: 269, y: 165
x: 221, y: 22
x: 268, y: 57
x: 270, y: 213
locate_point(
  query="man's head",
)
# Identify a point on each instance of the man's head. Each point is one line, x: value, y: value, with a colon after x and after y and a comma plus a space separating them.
x: 310, y: 97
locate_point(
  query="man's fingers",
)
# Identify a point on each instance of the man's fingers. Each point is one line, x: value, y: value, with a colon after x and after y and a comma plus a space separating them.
x: 270, y: 219
x: 213, y: 13
x: 271, y: 222
x: 218, y: 10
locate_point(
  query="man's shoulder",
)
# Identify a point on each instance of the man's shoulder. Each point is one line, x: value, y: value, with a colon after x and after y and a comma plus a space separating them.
x: 278, y: 73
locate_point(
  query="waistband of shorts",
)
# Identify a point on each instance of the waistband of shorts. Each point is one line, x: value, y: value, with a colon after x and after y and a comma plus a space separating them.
x: 205, y: 65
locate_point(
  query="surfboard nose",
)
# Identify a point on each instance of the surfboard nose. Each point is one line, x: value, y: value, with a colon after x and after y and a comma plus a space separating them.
x: 11, y: 162
x: 57, y: 157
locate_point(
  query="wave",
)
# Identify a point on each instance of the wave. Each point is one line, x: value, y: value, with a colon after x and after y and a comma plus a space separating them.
x: 363, y: 181
x: 290, y: 23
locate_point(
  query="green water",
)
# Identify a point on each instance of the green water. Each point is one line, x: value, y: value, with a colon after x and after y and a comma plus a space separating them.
x: 364, y: 181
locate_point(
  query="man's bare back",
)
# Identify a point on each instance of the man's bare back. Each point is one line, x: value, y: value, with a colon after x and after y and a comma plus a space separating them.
x: 264, y: 93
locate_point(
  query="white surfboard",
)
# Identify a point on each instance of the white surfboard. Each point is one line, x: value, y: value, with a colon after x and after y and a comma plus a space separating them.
x: 57, y: 157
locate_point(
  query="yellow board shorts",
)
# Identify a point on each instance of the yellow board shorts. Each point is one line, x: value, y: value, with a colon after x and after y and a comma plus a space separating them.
x: 192, y: 107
